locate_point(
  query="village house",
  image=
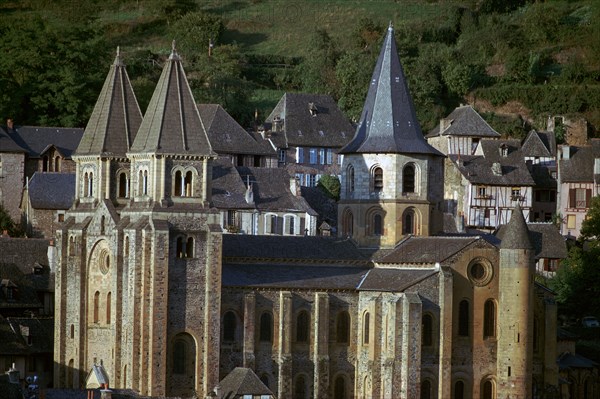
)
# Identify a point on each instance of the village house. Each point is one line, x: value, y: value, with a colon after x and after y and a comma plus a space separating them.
x: 308, y: 131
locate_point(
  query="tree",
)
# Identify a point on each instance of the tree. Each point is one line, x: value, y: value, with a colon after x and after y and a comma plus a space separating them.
x: 590, y: 228
x: 6, y: 223
x: 330, y: 185
x: 194, y: 31
x: 353, y: 76
x: 317, y: 71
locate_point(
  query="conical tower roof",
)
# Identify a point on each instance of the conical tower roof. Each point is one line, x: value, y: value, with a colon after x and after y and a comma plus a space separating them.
x: 172, y: 124
x: 388, y: 123
x: 116, y: 117
x: 516, y: 235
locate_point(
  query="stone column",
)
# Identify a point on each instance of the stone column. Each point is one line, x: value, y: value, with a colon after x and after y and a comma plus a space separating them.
x: 249, y: 323
x: 321, y: 345
x: 389, y: 381
x: 445, y: 335
x: 285, y: 345
x: 411, y: 346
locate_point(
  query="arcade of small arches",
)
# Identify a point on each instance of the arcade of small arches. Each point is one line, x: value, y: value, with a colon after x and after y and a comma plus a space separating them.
x: 410, y: 179
x: 375, y: 222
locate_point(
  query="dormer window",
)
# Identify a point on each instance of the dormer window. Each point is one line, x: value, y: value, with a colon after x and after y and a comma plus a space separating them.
x: 9, y: 290
x: 504, y: 150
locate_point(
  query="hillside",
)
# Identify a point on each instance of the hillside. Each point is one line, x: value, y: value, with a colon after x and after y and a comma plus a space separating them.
x: 539, y: 58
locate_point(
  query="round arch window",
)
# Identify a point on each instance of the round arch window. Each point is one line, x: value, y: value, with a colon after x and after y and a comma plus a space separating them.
x: 480, y: 271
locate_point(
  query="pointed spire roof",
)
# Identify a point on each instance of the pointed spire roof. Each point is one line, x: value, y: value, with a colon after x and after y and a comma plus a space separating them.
x: 516, y: 235
x: 389, y: 123
x: 116, y: 117
x: 172, y: 124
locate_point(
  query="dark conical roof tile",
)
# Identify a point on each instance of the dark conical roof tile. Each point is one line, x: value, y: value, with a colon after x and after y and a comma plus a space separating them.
x: 516, y: 235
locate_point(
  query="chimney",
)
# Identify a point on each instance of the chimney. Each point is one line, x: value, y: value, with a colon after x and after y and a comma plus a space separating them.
x: 566, y: 151
x: 277, y: 124
x: 497, y: 169
x: 10, y: 124
x: 295, y: 186
x: 249, y: 195
x: 13, y: 375
x: 261, y: 130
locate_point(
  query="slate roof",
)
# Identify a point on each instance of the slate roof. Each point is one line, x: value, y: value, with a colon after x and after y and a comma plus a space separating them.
x: 477, y: 169
x: 41, y: 330
x: 516, y: 234
x: 465, y: 121
x: 36, y: 140
x: 327, y: 126
x: 271, y: 188
x: 545, y: 238
x: 569, y: 361
x: 48, y: 190
x: 542, y: 175
x: 539, y: 144
x: 579, y: 168
x: 269, y: 275
x: 116, y: 117
x: 416, y: 249
x: 388, y: 123
x: 298, y: 248
x: 241, y: 381
x: 228, y: 189
x: 172, y: 124
x: 228, y: 137
x: 396, y: 280
x: 7, y: 144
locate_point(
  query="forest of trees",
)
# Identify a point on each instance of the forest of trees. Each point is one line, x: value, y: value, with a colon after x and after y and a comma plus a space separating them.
x: 544, y: 55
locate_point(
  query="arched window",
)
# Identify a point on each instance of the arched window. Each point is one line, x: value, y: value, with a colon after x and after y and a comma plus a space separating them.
x: 459, y: 390
x: 426, y: 389
x: 300, y: 391
x: 102, y: 224
x: 229, y: 326
x: 72, y: 246
x: 96, y: 307
x: 408, y: 225
x: 125, y: 376
x: 141, y: 183
x: 188, y: 184
x: 408, y: 179
x: 487, y: 390
x: 377, y: 224
x: 123, y: 185
x: 350, y: 181
x: 366, y: 327
x: 347, y: 223
x: 145, y: 183
x: 342, y: 328
x: 377, y: 180
x: 179, y: 356
x: 108, y: 303
x: 302, y: 326
x: 179, y: 252
x: 57, y: 164
x: 178, y: 184
x: 86, y: 184
x: 189, y: 247
x: 463, y: 318
x: 266, y: 327
x: 339, y: 388
x: 45, y: 163
x: 72, y: 331
x: 291, y: 224
x: 489, y: 319
x: 91, y: 185
x: 70, y: 373
x: 126, y: 246
x: 427, y: 330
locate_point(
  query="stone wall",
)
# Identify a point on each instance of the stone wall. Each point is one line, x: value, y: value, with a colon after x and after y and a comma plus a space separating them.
x: 12, y: 181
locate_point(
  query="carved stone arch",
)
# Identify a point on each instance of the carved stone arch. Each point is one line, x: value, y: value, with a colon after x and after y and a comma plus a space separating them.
x: 347, y: 223
x: 488, y: 387
x: 376, y: 178
x: 411, y: 177
x: 123, y: 181
x: 411, y: 221
x: 375, y: 221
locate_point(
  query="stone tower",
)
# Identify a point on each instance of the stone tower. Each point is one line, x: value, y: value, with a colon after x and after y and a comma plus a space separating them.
x: 391, y: 178
x: 140, y: 272
x: 515, y: 316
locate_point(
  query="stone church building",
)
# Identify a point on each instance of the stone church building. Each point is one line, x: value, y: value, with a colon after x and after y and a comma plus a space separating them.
x: 148, y: 285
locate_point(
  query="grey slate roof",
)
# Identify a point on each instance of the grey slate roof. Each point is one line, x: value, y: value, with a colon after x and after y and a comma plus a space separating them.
x: 228, y: 189
x: 542, y: 175
x: 116, y: 117
x: 242, y: 381
x: 539, y: 144
x: 172, y: 124
x: 36, y: 140
x: 388, y: 123
x: 569, y: 361
x: 228, y: 137
x: 395, y: 280
x: 516, y: 234
x: 51, y: 190
x: 271, y: 188
x: 328, y: 127
x: 298, y: 248
x: 545, y: 238
x: 415, y: 249
x: 580, y: 166
x: 465, y: 121
x: 7, y: 144
x: 477, y: 169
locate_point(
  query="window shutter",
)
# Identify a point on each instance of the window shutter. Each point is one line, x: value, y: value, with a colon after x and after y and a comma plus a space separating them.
x: 572, y: 201
x: 268, y: 224
x: 588, y: 197
x: 302, y: 225
x: 279, y: 225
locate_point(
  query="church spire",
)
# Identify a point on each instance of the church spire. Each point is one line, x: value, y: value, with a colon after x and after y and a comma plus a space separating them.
x: 116, y: 116
x: 389, y: 123
x: 172, y: 124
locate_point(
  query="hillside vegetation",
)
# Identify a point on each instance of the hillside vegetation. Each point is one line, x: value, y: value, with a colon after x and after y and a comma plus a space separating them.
x: 542, y: 57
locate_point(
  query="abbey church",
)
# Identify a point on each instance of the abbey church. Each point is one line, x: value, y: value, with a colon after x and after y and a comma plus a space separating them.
x: 150, y: 287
